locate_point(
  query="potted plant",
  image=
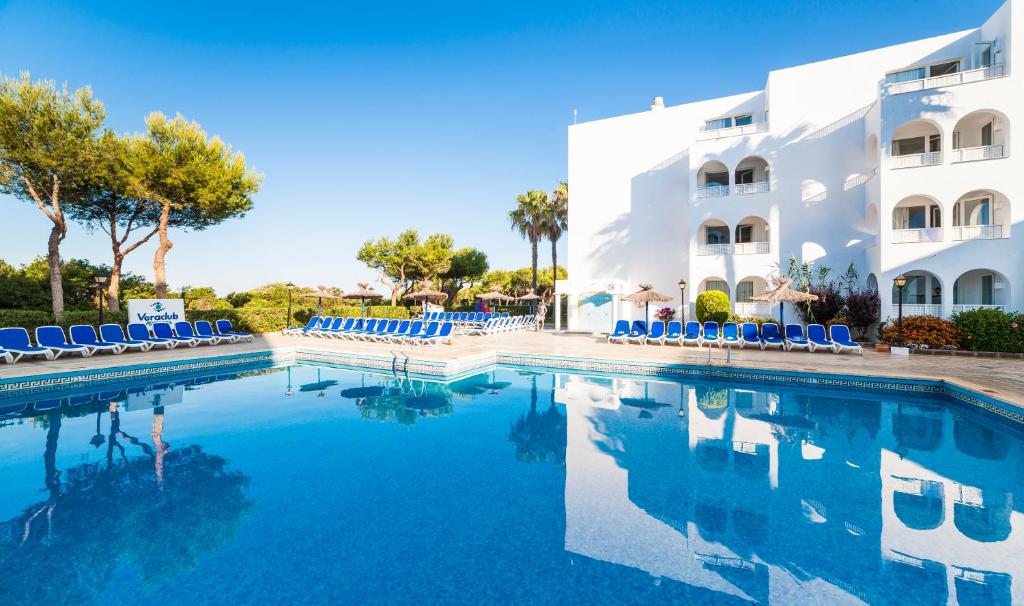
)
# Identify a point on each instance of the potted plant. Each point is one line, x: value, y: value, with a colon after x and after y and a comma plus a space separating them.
x: 665, y: 314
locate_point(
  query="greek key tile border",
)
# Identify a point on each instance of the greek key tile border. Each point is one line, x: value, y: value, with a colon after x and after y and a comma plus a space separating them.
x: 43, y: 384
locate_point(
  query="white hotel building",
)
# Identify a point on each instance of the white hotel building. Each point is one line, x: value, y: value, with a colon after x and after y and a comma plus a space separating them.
x: 897, y: 160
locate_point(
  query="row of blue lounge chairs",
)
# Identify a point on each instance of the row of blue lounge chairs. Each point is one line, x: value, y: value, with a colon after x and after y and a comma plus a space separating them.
x: 463, y: 318
x: 408, y: 332
x: 52, y: 343
x: 836, y: 339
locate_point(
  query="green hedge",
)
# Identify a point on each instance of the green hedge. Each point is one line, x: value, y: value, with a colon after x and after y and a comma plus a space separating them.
x: 713, y: 306
x: 257, y: 319
x: 990, y: 330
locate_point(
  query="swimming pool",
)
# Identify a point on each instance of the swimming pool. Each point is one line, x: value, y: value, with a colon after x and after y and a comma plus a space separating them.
x: 314, y: 484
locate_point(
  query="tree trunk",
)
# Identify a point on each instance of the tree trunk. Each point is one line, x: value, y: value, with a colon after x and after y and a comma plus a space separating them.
x: 554, y: 263
x: 57, y: 234
x: 165, y: 245
x: 533, y: 245
x: 114, y: 288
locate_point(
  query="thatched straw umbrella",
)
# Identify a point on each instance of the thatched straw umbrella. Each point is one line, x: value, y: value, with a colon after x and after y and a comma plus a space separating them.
x: 531, y: 297
x: 782, y: 294
x: 645, y: 295
x: 427, y: 293
x: 495, y: 295
x: 363, y: 293
x: 320, y: 294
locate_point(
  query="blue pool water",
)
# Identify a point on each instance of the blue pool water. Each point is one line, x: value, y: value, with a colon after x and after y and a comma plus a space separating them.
x: 318, y: 485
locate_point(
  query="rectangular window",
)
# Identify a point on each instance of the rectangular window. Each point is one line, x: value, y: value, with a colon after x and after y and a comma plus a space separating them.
x: 986, y: 134
x: 917, y: 217
x: 976, y: 212
x: 718, y: 124
x: 983, y: 54
x: 905, y: 76
x: 716, y: 179
x: 718, y: 285
x: 986, y: 290
x: 744, y: 175
x: 934, y: 143
x: 908, y: 147
x: 744, y: 291
x: 936, y: 215
x: 718, y: 234
x: 744, y: 234
x: 744, y: 119
x: 944, y: 69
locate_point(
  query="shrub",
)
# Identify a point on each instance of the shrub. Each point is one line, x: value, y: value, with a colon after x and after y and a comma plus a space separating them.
x: 991, y: 330
x: 863, y: 308
x: 712, y: 306
x: 924, y: 331
x: 759, y: 320
x: 830, y: 302
x: 665, y: 314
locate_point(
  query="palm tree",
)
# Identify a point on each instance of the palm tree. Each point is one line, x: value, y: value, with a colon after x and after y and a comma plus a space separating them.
x: 528, y: 219
x: 556, y: 222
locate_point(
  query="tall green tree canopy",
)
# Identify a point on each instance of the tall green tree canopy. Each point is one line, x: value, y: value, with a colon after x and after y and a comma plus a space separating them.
x: 198, y: 181
x: 468, y: 266
x: 47, y: 149
x: 405, y: 258
x: 556, y: 218
x: 527, y: 218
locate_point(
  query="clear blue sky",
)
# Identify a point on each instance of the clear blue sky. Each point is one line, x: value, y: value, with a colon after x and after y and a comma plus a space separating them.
x: 370, y: 118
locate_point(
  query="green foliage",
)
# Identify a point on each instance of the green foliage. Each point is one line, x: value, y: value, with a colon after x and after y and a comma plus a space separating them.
x: 528, y: 219
x: 863, y: 308
x: 28, y: 286
x: 712, y: 306
x: 468, y: 265
x: 405, y: 259
x: 990, y: 330
x: 759, y: 320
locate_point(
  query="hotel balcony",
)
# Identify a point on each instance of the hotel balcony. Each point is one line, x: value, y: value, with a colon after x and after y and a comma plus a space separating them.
x: 974, y: 154
x: 759, y: 187
x: 917, y: 309
x: 712, y: 191
x: 958, y: 307
x: 909, y: 236
x: 707, y: 132
x: 978, y: 232
x: 744, y: 248
x: 916, y: 160
x: 954, y: 79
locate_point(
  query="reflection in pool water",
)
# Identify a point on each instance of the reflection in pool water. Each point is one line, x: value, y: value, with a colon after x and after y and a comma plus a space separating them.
x: 322, y: 485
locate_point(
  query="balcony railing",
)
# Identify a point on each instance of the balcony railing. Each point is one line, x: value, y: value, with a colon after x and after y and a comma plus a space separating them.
x: 916, y: 160
x: 978, y: 232
x: 704, y: 250
x: 973, y: 75
x: 759, y: 187
x: 752, y: 248
x: 917, y: 309
x: 927, y: 234
x: 959, y: 307
x: 973, y: 154
x: 753, y: 308
x: 744, y: 248
x: 732, y: 131
x: 712, y: 191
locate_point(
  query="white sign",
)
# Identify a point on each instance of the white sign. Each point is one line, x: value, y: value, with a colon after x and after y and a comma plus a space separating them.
x: 148, y: 311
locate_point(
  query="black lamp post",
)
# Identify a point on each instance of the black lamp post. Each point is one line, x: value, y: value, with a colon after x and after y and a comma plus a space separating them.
x: 900, y: 281
x: 101, y: 282
x: 682, y: 299
x: 288, y: 321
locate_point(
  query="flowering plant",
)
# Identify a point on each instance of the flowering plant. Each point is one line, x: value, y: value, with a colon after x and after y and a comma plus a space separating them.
x: 665, y: 314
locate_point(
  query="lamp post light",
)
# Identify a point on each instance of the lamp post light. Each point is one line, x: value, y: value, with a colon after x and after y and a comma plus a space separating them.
x: 682, y: 299
x: 288, y: 321
x: 900, y: 282
x: 101, y: 282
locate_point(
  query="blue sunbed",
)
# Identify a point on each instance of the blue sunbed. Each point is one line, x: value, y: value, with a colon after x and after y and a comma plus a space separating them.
x: 140, y: 332
x: 113, y: 333
x: 711, y: 334
x: 54, y: 338
x: 85, y: 334
x: 795, y: 337
x: 620, y: 333
x: 730, y: 334
x: 225, y: 327
x: 840, y: 334
x: 163, y: 330
x: 748, y: 335
x: 770, y: 336
x: 818, y: 339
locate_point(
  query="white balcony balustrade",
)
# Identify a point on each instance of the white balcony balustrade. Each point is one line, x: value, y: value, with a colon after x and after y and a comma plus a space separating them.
x: 916, y: 160
x: 753, y: 308
x: 752, y: 248
x: 706, y: 250
x: 712, y: 191
x: 978, y: 232
x: 917, y: 309
x: 910, y: 236
x: 973, y: 75
x: 959, y: 307
x: 759, y: 187
x: 745, y: 248
x: 973, y: 154
x: 732, y: 131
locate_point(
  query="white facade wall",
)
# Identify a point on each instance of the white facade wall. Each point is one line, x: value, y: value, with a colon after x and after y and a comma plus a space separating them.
x: 825, y: 132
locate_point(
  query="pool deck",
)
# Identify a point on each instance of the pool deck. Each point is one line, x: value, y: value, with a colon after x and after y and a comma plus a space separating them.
x: 997, y: 377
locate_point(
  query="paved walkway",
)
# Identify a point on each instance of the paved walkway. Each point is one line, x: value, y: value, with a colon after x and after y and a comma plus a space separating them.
x: 1001, y: 378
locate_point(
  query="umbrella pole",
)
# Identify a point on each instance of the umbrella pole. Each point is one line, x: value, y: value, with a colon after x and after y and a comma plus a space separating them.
x: 362, y: 310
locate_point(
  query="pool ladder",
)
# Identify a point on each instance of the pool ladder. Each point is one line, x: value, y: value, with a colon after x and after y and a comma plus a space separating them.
x: 394, y: 362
